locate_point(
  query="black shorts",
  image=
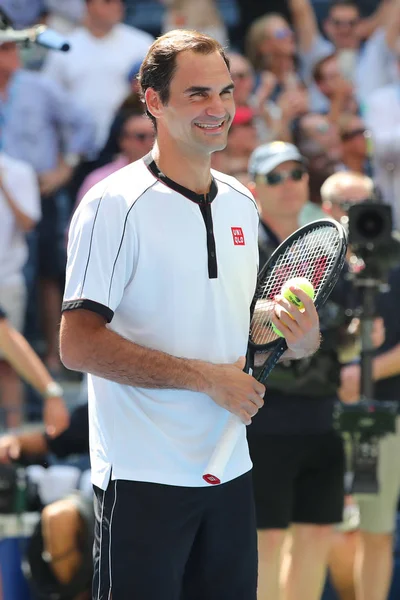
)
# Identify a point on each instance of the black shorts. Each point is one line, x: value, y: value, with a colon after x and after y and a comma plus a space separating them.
x: 161, y: 542
x: 297, y: 479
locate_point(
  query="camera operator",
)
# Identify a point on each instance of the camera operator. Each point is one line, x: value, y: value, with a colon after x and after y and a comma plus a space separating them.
x: 374, y: 554
x: 60, y: 549
x: 298, y: 461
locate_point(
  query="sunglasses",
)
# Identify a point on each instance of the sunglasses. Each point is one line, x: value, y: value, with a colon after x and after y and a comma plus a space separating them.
x: 343, y: 23
x: 282, y: 33
x: 349, y: 135
x: 278, y: 178
x: 141, y: 137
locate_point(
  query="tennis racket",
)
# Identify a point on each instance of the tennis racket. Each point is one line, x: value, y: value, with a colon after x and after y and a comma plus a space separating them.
x: 317, y: 252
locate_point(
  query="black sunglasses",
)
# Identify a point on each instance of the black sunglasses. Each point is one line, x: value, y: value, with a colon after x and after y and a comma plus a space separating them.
x: 349, y: 135
x: 277, y: 178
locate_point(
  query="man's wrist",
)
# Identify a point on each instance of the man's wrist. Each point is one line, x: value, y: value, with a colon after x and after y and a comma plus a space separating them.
x: 53, y: 390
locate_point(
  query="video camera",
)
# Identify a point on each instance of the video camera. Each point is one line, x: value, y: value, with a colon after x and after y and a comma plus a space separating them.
x: 376, y: 250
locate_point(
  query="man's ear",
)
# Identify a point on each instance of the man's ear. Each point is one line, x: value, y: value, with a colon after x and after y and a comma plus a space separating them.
x: 153, y: 103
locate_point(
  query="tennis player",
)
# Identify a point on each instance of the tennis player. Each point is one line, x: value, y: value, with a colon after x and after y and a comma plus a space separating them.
x: 161, y: 272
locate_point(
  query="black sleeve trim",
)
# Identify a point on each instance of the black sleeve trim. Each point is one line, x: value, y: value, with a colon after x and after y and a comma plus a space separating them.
x: 96, y: 307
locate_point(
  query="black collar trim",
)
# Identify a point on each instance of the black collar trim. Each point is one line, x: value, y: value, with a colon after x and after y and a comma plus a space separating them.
x: 193, y: 196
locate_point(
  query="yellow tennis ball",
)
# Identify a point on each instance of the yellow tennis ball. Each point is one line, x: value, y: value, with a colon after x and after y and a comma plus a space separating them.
x: 276, y: 330
x: 301, y: 282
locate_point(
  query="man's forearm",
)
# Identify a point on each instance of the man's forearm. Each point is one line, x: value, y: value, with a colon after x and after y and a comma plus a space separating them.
x: 387, y: 364
x: 23, y: 358
x: 104, y: 353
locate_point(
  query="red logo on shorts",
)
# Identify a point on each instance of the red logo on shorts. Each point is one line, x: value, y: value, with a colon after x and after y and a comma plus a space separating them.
x: 238, y: 237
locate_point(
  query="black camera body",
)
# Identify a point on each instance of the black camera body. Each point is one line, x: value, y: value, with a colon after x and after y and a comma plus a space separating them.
x: 375, y: 244
x: 363, y: 424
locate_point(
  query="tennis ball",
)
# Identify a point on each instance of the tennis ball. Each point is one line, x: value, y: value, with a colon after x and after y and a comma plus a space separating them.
x: 302, y: 283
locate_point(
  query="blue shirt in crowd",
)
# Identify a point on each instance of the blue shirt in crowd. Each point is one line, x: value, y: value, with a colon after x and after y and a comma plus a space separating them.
x: 38, y: 122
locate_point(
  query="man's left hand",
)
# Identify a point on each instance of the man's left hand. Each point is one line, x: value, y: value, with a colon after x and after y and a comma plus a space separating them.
x: 56, y: 416
x: 299, y: 327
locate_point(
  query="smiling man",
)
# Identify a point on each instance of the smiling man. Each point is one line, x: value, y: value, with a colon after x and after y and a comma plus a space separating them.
x: 158, y: 314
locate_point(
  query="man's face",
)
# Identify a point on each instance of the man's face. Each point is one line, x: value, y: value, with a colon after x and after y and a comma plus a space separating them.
x: 354, y: 137
x: 286, y: 198
x: 346, y: 192
x: 200, y: 108
x: 9, y: 58
x: 106, y: 13
x: 243, y: 139
x: 324, y: 133
x: 243, y: 78
x: 341, y: 27
x: 279, y: 38
x: 137, y: 137
x: 330, y: 76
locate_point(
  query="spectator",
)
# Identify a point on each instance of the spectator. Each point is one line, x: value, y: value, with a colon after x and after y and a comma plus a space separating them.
x: 242, y: 140
x: 65, y: 15
x: 382, y: 118
x: 59, y: 552
x: 136, y: 140
x: 298, y: 464
x: 94, y: 72
x: 374, y: 553
x: 318, y: 140
x: 23, y: 13
x: 27, y: 364
x: 355, y: 144
x: 202, y: 15
x: 43, y: 128
x: 132, y: 104
x: 19, y: 213
x: 338, y: 91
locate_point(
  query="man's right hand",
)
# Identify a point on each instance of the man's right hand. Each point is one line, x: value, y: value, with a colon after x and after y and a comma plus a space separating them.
x: 10, y: 448
x: 234, y: 390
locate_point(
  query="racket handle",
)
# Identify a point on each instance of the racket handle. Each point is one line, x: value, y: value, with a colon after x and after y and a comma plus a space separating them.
x: 223, y: 451
x: 271, y: 361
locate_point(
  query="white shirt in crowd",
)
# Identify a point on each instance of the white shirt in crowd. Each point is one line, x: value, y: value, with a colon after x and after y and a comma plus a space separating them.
x: 382, y: 117
x: 95, y: 70
x: 21, y: 182
x: 138, y: 255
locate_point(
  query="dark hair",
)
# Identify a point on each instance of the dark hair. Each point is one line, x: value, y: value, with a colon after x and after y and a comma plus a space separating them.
x: 319, y: 65
x: 335, y: 3
x: 159, y: 65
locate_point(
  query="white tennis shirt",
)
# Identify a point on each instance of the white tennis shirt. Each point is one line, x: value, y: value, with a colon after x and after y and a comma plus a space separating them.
x: 173, y: 271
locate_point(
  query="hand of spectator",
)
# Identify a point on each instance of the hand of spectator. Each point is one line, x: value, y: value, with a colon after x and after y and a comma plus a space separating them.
x: 51, y: 181
x: 343, y: 89
x: 10, y: 448
x: 56, y: 416
x: 267, y: 85
x: 299, y: 327
x: 350, y: 380
x: 292, y: 104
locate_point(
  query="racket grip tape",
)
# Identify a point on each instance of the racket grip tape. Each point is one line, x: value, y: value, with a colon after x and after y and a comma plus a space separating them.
x: 214, y: 471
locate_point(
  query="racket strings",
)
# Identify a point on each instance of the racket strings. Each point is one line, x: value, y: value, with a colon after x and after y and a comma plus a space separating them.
x: 313, y: 256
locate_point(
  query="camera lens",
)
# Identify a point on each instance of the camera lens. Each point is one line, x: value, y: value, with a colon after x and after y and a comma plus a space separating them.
x: 370, y: 224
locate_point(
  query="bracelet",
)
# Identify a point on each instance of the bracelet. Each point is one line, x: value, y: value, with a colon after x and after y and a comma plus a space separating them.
x: 53, y: 390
